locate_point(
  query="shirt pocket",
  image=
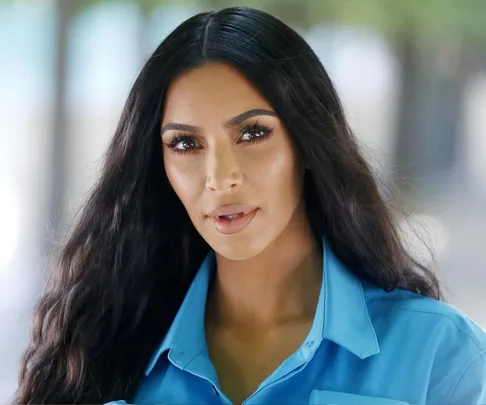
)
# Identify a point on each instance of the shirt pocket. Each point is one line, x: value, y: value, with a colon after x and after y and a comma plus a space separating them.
x: 319, y: 397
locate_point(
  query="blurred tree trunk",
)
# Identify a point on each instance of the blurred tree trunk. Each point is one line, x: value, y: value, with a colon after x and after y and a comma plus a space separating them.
x: 407, y: 134
x: 57, y: 175
x: 442, y: 115
x: 429, y: 115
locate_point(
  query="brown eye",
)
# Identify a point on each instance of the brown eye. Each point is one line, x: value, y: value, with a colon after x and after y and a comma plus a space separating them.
x: 254, y: 133
x: 183, y: 144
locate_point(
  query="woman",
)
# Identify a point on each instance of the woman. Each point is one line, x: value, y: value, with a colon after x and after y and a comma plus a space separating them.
x: 236, y: 248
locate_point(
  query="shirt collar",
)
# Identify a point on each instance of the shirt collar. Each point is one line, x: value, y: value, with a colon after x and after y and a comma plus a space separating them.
x: 186, y: 337
x: 341, y: 315
x: 346, y: 318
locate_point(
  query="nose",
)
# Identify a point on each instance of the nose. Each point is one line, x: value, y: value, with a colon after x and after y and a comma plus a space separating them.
x: 223, y: 172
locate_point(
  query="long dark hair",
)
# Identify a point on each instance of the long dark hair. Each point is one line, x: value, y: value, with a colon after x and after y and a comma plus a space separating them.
x: 124, y: 269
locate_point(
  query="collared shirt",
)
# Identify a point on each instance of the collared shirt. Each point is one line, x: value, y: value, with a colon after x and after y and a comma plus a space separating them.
x: 365, y: 346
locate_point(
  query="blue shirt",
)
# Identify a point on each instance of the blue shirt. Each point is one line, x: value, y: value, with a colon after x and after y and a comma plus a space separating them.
x: 366, y: 346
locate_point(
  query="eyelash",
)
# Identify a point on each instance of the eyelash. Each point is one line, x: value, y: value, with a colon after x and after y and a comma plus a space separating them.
x: 253, y: 128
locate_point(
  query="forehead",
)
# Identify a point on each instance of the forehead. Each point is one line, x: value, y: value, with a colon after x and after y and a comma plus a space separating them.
x: 213, y: 92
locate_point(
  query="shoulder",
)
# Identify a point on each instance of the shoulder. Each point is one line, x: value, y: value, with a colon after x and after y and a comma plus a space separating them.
x: 436, y: 338
x: 424, y: 315
x: 424, y: 323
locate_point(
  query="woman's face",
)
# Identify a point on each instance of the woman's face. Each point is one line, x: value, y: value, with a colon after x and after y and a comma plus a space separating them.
x: 230, y: 160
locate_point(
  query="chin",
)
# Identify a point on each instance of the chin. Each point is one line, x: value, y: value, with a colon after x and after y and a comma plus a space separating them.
x: 237, y: 249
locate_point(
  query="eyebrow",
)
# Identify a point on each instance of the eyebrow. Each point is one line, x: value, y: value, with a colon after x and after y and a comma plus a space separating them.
x: 231, y: 123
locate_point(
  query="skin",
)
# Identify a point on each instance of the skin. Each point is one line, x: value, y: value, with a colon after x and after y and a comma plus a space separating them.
x: 262, y: 303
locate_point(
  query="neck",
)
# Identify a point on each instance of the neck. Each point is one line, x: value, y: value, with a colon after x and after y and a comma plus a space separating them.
x: 279, y: 285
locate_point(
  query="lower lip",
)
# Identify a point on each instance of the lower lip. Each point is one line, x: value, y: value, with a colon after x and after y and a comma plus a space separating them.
x: 232, y: 226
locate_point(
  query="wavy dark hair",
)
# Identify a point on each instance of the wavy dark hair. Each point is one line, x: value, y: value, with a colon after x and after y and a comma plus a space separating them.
x: 125, y: 267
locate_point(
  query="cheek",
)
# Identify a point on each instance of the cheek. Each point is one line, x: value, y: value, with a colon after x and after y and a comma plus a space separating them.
x: 278, y: 176
x: 184, y: 180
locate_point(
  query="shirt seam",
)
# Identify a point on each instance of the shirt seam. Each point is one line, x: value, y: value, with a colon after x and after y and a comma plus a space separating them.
x: 474, y: 360
x: 192, y: 359
x: 478, y: 345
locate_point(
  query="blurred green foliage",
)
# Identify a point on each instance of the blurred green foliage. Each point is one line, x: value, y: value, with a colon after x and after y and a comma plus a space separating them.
x: 440, y: 19
x: 433, y: 18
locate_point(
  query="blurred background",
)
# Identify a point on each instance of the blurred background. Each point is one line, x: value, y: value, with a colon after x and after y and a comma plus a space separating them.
x: 411, y: 74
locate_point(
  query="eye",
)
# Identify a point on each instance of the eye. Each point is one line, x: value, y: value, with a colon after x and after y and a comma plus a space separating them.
x: 255, y: 133
x: 183, y: 143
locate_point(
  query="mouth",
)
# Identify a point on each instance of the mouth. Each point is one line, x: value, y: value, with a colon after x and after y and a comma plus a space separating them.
x: 232, y: 219
x: 231, y: 216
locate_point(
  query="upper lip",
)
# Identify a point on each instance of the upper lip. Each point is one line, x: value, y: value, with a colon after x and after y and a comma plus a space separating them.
x: 232, y: 209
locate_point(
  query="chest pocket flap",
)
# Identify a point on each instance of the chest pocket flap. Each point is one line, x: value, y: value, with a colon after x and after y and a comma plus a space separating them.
x: 319, y: 397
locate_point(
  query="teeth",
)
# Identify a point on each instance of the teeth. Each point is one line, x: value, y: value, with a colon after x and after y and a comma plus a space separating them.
x: 233, y: 216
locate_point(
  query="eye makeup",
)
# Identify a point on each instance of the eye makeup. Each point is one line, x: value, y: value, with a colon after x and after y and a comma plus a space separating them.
x: 183, y: 143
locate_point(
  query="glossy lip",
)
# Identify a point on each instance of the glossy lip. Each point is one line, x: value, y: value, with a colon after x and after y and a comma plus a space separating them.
x: 232, y: 226
x: 231, y: 209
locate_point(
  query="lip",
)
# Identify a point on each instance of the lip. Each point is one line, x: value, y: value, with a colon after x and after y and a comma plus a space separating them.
x: 245, y: 214
x: 232, y: 209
